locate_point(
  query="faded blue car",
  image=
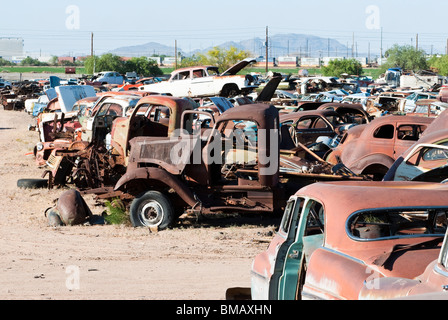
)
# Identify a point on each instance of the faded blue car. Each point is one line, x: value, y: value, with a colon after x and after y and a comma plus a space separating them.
x: 110, y: 77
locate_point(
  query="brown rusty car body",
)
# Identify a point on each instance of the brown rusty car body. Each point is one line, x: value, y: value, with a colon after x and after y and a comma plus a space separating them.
x: 432, y: 284
x: 332, y: 240
x: 96, y: 165
x: 373, y: 148
x: 207, y: 177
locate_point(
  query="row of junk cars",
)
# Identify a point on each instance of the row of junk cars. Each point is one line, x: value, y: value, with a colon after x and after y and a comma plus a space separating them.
x: 361, y: 187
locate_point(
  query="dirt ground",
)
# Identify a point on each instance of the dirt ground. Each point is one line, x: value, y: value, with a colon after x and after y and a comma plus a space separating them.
x: 38, y: 262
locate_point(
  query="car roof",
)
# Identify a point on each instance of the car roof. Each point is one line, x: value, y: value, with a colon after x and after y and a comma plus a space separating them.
x: 399, y: 118
x: 257, y: 112
x: 176, y: 105
x: 193, y: 68
x: 438, y: 124
x: 121, y: 98
x: 299, y: 114
x: 88, y: 99
x: 341, y: 199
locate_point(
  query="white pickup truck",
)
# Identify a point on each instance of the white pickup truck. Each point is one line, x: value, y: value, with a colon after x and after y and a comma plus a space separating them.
x: 206, y: 81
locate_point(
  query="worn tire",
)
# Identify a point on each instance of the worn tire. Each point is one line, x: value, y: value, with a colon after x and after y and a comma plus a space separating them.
x: 230, y: 90
x: 152, y: 210
x: 32, y: 183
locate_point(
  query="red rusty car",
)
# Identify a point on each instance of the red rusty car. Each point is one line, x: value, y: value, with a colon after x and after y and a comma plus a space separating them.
x: 372, y: 149
x: 335, y: 236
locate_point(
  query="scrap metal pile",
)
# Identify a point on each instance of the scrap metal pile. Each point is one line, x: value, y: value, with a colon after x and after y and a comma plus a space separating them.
x: 230, y: 150
x: 359, y: 171
x: 14, y: 98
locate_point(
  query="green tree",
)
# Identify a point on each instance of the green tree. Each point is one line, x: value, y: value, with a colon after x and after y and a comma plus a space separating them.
x: 337, y: 67
x: 439, y: 64
x: 106, y: 62
x: 54, y: 61
x: 111, y: 62
x: 4, y: 62
x: 190, y: 61
x: 28, y: 61
x: 143, y: 66
x: 406, y: 57
x: 222, y: 58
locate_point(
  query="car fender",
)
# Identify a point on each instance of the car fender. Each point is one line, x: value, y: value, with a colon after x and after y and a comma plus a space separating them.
x: 159, y: 175
x: 333, y: 283
x: 374, y: 159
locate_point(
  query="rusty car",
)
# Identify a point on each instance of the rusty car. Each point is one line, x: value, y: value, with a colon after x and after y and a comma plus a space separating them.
x: 97, y: 165
x: 351, y: 112
x: 371, y: 149
x: 331, y: 240
x: 428, y: 108
x: 320, y: 129
x: 430, y: 285
x: 58, y: 124
x: 387, y: 102
x: 99, y: 123
x: 237, y: 166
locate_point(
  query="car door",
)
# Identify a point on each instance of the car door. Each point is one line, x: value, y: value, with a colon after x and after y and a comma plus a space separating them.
x: 406, y: 136
x: 201, y: 84
x: 267, y: 267
x: 382, y: 141
x: 118, y: 79
x: 308, y: 235
x: 181, y: 84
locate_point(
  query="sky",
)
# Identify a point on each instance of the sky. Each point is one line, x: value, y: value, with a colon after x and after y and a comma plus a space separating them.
x: 65, y: 27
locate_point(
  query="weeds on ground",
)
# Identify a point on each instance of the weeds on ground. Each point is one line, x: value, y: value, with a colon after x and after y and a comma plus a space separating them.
x: 116, y: 213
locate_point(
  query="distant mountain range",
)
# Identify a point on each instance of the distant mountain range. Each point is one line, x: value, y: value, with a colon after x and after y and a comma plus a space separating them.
x: 279, y: 45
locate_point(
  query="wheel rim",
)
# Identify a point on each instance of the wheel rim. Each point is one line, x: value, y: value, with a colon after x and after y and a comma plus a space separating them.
x: 152, y: 214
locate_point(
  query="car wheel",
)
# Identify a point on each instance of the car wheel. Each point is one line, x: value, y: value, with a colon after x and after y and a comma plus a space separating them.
x: 153, y: 210
x: 229, y: 91
x: 32, y: 183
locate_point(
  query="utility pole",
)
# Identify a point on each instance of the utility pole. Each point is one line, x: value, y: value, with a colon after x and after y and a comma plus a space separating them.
x: 368, y: 59
x: 307, y: 48
x: 381, y: 42
x: 267, y: 49
x: 175, y: 54
x: 416, y: 42
x: 91, y: 45
x: 92, y: 53
x: 353, y: 45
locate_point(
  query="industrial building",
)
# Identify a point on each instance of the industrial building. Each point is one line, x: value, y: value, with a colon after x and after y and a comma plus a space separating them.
x: 11, y: 47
